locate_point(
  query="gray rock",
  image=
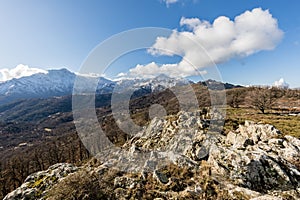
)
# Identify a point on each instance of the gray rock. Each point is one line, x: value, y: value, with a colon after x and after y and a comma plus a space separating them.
x: 257, y: 158
x: 125, y: 182
x: 36, y: 185
x: 253, y: 162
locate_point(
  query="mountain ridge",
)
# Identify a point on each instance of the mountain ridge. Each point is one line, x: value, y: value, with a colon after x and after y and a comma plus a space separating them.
x: 60, y: 82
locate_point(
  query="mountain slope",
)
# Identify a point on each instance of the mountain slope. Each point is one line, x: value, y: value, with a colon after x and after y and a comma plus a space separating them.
x: 61, y: 82
x: 54, y: 83
x: 176, y: 158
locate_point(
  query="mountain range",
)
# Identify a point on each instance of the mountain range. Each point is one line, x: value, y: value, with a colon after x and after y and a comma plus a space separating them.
x: 38, y: 132
x: 60, y: 82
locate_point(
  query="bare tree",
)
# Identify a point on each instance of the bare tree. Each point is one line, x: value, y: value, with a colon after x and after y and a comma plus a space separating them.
x: 262, y: 99
x: 235, y: 97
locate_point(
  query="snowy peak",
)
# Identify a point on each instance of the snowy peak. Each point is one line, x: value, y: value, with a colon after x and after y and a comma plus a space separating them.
x: 158, y: 83
x: 18, y: 72
x: 60, y: 82
x: 57, y: 82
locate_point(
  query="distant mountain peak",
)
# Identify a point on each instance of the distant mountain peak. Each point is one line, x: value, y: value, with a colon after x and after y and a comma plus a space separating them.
x: 60, y: 82
x: 18, y: 72
x: 56, y: 82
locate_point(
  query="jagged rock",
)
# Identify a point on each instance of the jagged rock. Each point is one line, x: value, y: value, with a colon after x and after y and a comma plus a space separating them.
x: 251, y: 133
x: 256, y: 158
x: 36, y: 185
x: 258, y: 132
x: 125, y: 182
x: 253, y: 162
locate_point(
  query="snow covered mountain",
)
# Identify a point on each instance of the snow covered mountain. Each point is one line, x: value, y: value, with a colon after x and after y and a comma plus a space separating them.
x: 55, y: 82
x: 158, y: 83
x: 42, y: 85
x: 60, y: 83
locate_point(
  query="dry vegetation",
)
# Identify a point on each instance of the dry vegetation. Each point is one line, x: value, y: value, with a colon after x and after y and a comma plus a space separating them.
x: 278, y: 107
x: 85, y: 185
x: 289, y: 125
x: 63, y: 145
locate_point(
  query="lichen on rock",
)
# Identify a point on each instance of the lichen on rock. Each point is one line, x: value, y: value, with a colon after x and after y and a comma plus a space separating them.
x: 36, y: 185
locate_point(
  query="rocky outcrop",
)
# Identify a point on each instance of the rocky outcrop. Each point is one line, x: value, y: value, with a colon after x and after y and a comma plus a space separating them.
x: 256, y: 160
x: 37, y: 185
x: 179, y: 158
x: 260, y: 158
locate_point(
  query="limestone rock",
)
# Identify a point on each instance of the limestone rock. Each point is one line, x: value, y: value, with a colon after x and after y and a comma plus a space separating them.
x: 36, y: 185
x: 253, y: 162
x: 125, y: 182
x: 256, y: 157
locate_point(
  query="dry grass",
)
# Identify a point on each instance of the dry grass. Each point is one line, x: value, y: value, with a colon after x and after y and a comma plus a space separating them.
x: 85, y: 185
x: 288, y: 125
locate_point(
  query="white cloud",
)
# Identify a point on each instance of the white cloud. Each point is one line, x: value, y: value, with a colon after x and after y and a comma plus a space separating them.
x: 205, y: 43
x: 91, y: 75
x: 172, y: 70
x: 168, y: 2
x: 121, y: 74
x: 18, y: 72
x: 190, y: 22
x: 281, y: 83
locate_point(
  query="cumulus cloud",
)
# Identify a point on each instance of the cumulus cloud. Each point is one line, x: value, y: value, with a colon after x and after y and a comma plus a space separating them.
x: 173, y: 70
x: 281, y: 84
x: 202, y: 44
x: 190, y: 22
x: 18, y: 72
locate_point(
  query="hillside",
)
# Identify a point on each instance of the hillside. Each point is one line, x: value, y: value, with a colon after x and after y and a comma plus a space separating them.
x: 178, y: 158
x: 37, y: 133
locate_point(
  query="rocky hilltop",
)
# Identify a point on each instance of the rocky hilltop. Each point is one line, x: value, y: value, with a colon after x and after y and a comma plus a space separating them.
x: 179, y: 157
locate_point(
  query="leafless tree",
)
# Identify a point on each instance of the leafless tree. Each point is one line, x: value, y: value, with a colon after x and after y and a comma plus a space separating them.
x: 262, y: 99
x: 235, y: 97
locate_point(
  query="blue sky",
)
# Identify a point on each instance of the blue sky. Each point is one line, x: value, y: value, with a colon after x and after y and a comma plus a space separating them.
x: 56, y: 34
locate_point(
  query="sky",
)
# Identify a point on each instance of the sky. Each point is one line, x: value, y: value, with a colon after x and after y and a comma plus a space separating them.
x: 253, y: 42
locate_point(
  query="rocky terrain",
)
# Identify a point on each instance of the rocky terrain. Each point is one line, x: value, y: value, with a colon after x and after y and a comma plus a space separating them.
x: 38, y: 183
x: 180, y: 157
